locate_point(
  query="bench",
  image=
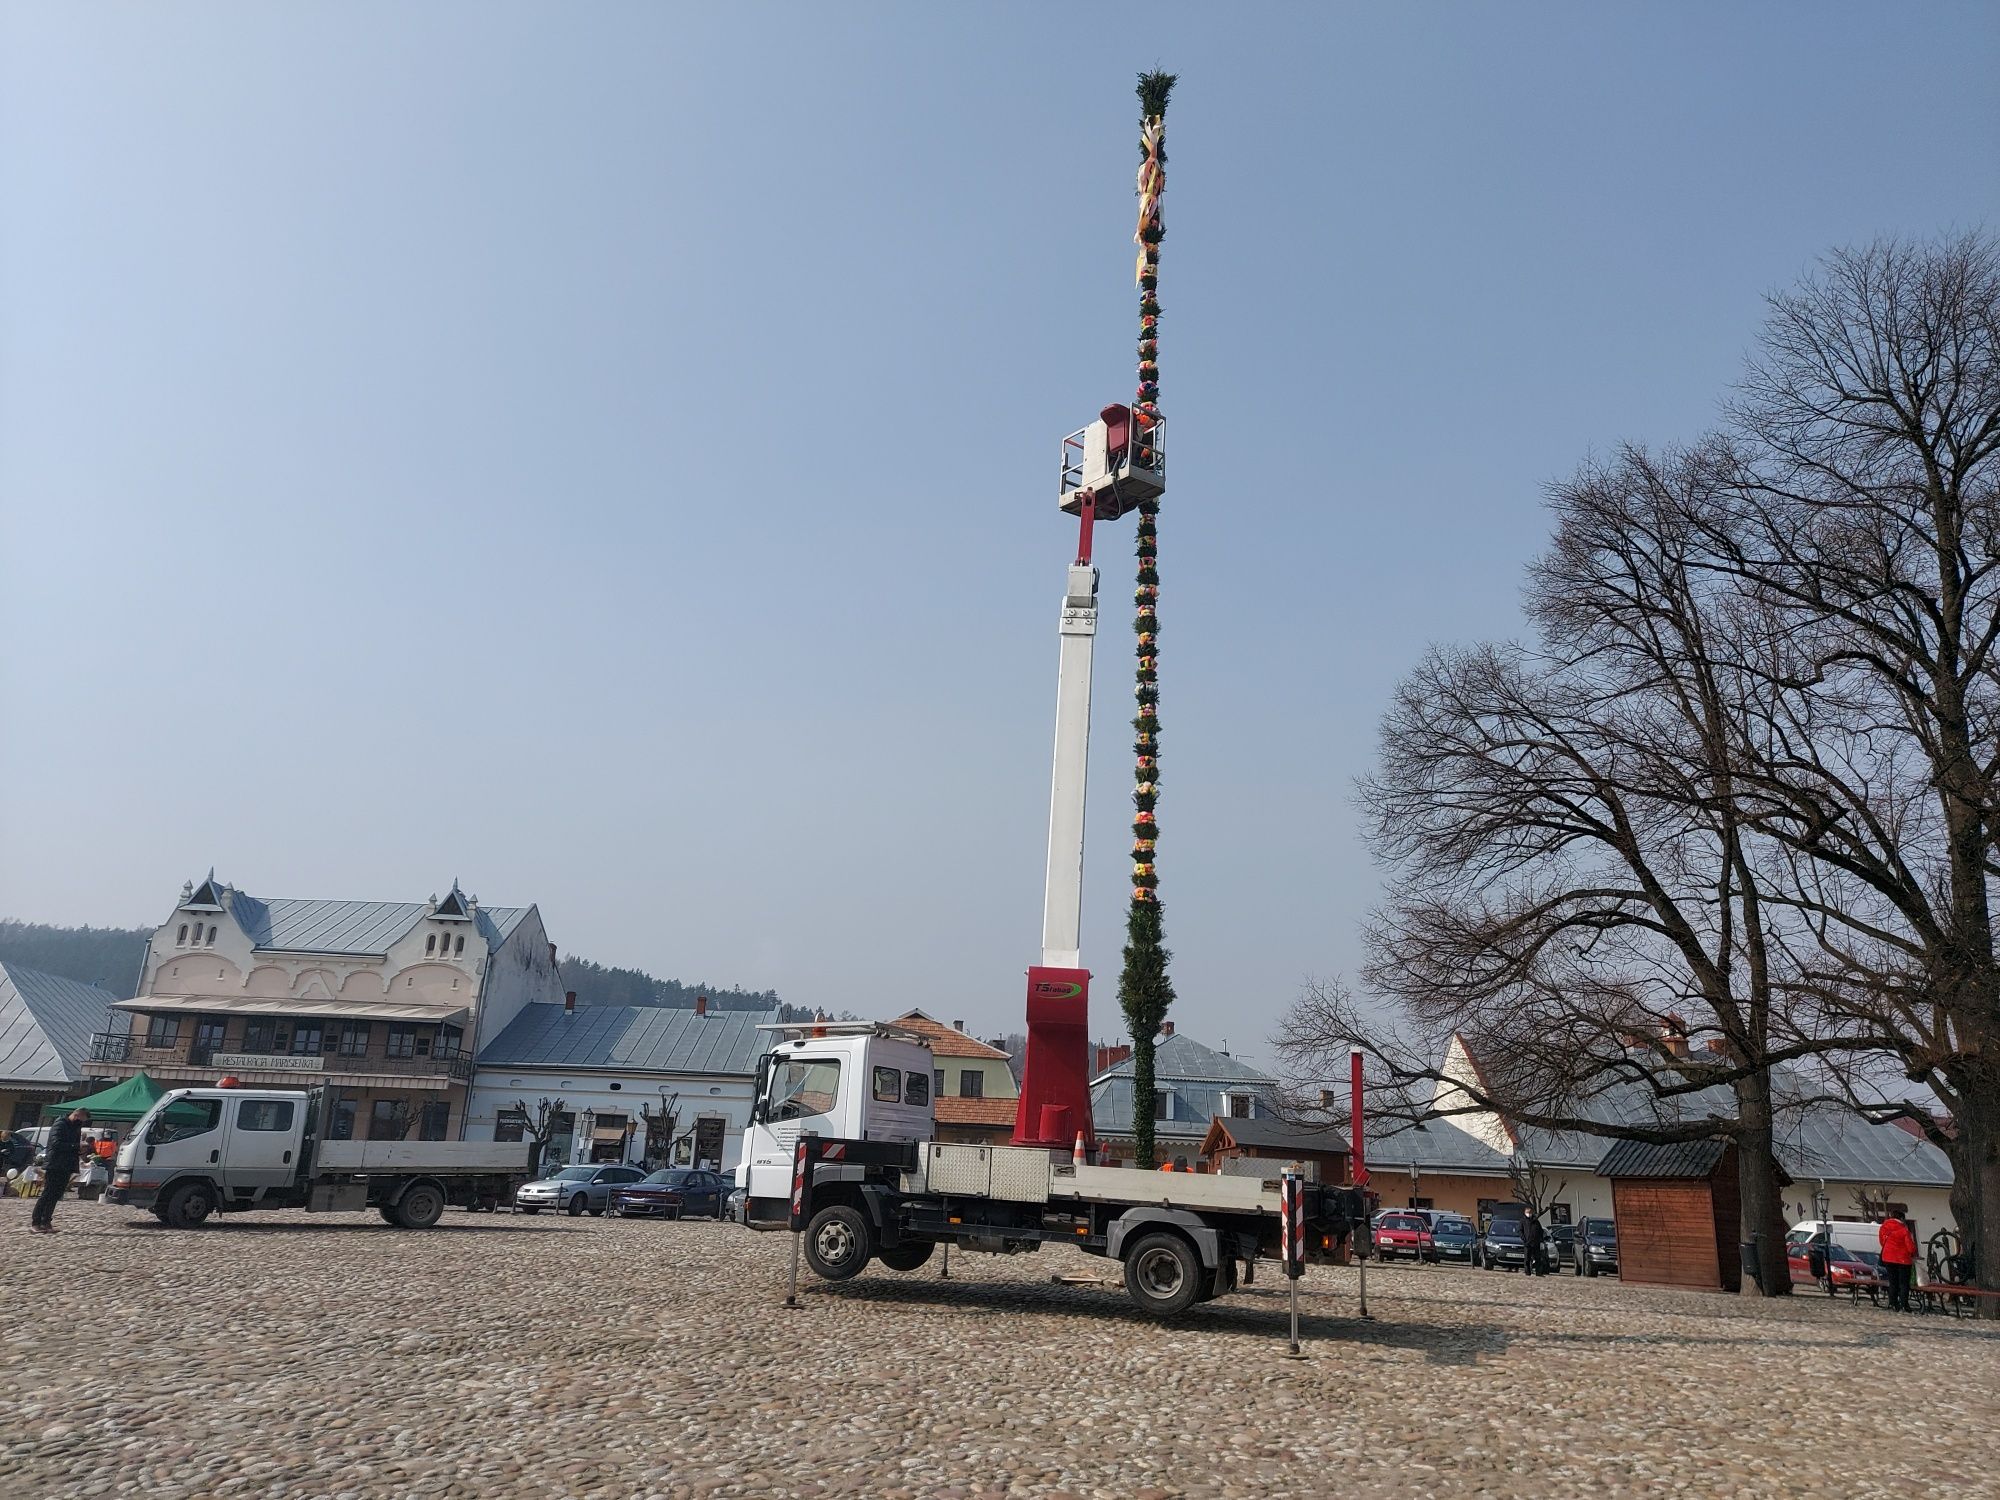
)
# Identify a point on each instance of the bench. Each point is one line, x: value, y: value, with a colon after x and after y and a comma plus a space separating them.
x: 1951, y: 1297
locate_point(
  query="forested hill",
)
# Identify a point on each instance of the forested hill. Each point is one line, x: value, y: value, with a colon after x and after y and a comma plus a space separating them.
x: 107, y: 956
x: 111, y: 956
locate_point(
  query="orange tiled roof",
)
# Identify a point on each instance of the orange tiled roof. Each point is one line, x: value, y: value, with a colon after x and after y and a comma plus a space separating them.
x: 955, y: 1111
x: 944, y: 1040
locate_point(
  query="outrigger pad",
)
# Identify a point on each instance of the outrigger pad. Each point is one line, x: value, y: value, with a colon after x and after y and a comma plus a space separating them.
x: 1055, y: 1076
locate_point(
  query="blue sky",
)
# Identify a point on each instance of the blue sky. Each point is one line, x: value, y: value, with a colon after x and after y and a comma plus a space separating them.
x: 608, y: 453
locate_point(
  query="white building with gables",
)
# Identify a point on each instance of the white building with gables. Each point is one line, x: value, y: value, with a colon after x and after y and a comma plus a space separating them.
x: 385, y: 1002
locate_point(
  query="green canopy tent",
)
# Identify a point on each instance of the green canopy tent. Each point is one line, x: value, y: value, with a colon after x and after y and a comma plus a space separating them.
x: 125, y: 1101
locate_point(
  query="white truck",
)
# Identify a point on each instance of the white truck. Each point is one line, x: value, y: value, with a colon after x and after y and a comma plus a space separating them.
x: 872, y: 1184
x: 229, y: 1150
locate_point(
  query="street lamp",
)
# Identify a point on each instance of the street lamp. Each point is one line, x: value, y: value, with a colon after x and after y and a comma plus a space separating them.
x: 1822, y: 1234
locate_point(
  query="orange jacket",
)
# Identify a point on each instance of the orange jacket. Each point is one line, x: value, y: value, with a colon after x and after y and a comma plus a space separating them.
x: 1899, y: 1246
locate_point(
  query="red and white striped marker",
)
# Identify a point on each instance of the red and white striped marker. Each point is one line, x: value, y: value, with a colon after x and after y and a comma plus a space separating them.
x: 1078, y: 1155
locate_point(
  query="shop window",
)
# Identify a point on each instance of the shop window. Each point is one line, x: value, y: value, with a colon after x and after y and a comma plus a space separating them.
x: 389, y: 1120
x: 510, y: 1125
x: 340, y: 1121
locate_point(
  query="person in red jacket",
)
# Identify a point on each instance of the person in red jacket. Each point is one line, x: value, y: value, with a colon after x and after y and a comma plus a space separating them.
x: 1899, y: 1255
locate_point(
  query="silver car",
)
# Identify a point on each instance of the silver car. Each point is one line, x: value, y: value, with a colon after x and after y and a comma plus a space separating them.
x: 578, y: 1189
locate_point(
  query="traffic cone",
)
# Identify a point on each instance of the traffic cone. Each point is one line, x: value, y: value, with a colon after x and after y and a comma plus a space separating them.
x: 1077, y: 1155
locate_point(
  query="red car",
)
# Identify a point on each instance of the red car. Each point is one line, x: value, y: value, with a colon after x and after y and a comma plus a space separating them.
x: 1845, y: 1270
x: 1404, y: 1234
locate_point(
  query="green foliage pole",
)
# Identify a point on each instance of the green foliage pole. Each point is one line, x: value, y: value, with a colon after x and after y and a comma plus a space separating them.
x: 1144, y: 989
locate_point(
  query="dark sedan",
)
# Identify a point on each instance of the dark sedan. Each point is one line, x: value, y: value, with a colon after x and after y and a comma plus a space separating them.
x: 673, y: 1193
x: 1454, y: 1238
x: 1502, y: 1247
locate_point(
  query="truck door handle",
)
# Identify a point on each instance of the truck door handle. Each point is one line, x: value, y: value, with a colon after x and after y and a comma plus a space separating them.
x: 288, y: 1158
x: 215, y: 1155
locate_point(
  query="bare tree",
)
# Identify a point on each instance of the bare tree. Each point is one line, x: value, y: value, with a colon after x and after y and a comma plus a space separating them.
x: 538, y: 1126
x: 660, y: 1126
x: 1535, y: 1188
x: 1866, y: 512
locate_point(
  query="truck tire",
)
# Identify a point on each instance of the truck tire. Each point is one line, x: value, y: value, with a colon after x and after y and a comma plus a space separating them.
x: 421, y: 1206
x: 1163, y: 1274
x: 906, y: 1257
x: 837, y: 1242
x: 187, y: 1204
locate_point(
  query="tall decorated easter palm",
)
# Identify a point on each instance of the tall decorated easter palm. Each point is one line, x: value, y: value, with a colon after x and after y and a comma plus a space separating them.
x: 1144, y: 988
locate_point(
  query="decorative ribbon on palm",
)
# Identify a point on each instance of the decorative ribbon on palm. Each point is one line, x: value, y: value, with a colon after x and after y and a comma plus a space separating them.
x: 1144, y: 988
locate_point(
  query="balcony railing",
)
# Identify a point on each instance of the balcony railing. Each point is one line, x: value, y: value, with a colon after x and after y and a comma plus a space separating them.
x: 131, y: 1048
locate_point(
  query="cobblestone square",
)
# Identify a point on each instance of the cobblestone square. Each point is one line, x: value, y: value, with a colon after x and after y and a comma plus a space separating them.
x: 281, y: 1355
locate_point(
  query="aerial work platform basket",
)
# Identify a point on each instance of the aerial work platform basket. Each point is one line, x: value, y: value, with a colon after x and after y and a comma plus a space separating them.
x: 1120, y: 461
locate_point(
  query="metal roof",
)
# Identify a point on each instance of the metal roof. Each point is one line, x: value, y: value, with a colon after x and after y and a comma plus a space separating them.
x: 1434, y: 1146
x: 1181, y: 1057
x: 631, y: 1039
x: 45, y: 1025
x: 357, y: 927
x: 1683, y: 1159
x: 1284, y: 1135
x: 1822, y: 1140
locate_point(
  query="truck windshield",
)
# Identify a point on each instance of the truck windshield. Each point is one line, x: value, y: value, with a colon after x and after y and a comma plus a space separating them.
x: 803, y: 1086
x: 184, y: 1118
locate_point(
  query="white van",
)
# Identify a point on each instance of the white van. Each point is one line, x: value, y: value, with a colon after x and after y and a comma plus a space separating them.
x: 1861, y: 1239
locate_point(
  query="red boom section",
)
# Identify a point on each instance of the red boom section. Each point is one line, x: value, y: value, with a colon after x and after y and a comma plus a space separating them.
x: 1055, y: 1077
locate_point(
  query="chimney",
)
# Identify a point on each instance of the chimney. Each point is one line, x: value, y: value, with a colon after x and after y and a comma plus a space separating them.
x: 569, y: 1002
x: 1673, y: 1035
x: 958, y: 1025
x: 1717, y: 1046
x: 552, y: 952
x: 701, y: 1005
x: 1166, y: 1028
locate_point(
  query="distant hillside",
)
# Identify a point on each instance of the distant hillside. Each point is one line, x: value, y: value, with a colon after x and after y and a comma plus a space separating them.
x: 597, y: 985
x: 111, y: 956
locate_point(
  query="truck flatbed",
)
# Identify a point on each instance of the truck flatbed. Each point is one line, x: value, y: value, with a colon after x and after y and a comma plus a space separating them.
x: 431, y: 1157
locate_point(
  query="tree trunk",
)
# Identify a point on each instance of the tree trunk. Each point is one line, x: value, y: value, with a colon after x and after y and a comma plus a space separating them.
x: 1142, y: 1101
x: 1760, y: 1200
x: 1978, y: 1171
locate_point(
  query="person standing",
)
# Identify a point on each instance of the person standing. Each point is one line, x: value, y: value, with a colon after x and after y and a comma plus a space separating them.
x: 1899, y: 1258
x: 1531, y: 1242
x: 65, y: 1147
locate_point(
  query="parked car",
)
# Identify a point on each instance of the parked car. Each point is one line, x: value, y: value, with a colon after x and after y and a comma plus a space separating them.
x: 1453, y: 1237
x: 732, y: 1205
x: 1594, y: 1251
x: 672, y: 1193
x: 1846, y: 1270
x: 578, y: 1189
x: 1403, y: 1234
x: 1501, y: 1247
x: 1557, y: 1248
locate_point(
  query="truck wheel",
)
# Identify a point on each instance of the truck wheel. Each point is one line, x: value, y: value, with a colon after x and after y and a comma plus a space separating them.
x: 1163, y: 1274
x: 905, y: 1257
x: 837, y: 1242
x: 420, y: 1207
x: 187, y: 1205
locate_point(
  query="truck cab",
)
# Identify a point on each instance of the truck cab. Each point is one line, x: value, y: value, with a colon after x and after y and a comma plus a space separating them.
x: 244, y: 1143
x: 846, y: 1080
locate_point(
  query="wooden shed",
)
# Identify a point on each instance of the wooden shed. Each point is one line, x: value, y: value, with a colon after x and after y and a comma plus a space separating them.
x: 1677, y: 1214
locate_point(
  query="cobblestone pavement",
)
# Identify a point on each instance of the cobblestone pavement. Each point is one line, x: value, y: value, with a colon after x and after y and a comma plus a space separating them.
x: 503, y: 1355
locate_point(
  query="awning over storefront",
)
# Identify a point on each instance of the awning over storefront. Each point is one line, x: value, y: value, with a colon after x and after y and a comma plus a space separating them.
x: 444, y: 1014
